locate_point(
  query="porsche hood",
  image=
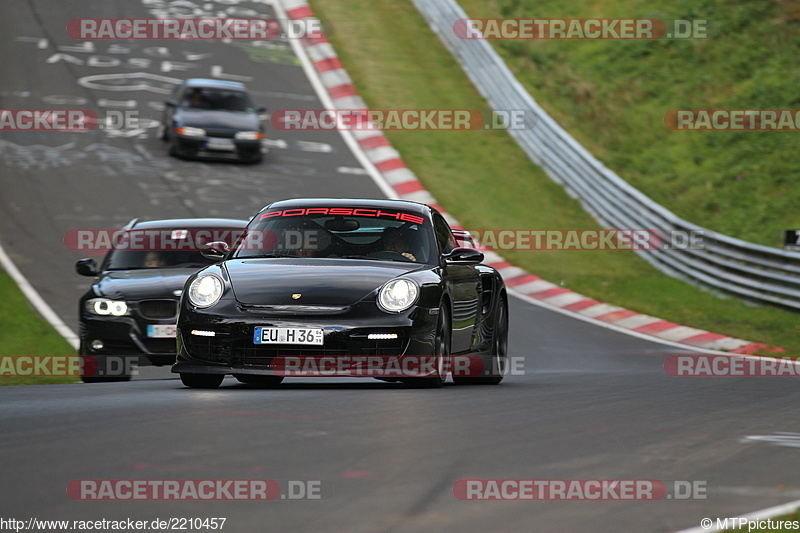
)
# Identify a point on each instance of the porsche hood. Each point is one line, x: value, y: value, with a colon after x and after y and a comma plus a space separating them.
x: 317, y: 282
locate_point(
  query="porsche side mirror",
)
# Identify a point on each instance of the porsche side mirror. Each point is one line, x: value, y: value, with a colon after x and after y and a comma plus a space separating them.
x: 463, y: 256
x: 216, y: 251
x: 86, y: 267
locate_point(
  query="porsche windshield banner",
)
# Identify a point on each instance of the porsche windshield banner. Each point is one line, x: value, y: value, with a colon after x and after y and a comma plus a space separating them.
x: 343, y: 211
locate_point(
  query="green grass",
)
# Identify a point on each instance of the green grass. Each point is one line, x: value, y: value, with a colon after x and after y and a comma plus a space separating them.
x: 612, y: 96
x: 24, y: 332
x: 485, y: 180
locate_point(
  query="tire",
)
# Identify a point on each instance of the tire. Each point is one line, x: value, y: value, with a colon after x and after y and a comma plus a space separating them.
x: 202, y: 381
x: 441, y: 351
x: 499, y: 352
x: 259, y: 381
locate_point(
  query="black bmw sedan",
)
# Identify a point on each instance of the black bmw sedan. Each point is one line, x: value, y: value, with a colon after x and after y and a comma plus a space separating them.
x: 130, y: 311
x: 213, y: 119
x: 344, y: 287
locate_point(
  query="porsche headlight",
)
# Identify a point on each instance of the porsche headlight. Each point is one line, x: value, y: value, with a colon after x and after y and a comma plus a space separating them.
x: 249, y: 135
x: 105, y: 307
x: 205, y: 291
x: 398, y: 295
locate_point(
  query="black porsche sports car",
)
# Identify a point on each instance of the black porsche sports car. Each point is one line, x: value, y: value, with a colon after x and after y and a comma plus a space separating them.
x: 343, y: 287
x: 131, y: 308
x: 214, y: 119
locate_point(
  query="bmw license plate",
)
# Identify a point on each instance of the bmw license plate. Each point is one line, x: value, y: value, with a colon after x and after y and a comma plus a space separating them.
x: 162, y: 331
x: 288, y: 336
x: 214, y: 143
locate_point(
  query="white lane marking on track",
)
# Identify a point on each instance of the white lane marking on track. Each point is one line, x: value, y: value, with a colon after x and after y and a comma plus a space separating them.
x: 216, y: 72
x: 37, y: 301
x: 275, y: 143
x: 351, y: 170
x: 310, y: 146
x: 303, y: 146
x: 781, y: 438
x: 41, y: 42
x: 136, y: 81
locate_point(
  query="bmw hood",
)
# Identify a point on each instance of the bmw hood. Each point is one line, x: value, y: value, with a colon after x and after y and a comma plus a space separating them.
x: 220, y: 120
x: 316, y: 281
x: 143, y: 283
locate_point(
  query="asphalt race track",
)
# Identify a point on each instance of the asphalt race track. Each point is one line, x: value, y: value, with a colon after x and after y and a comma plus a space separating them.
x: 590, y: 403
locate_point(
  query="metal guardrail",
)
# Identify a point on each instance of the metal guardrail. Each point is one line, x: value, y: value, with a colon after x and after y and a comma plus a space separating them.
x: 725, y: 264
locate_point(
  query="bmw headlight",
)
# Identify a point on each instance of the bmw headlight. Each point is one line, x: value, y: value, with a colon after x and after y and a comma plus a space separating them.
x: 398, y: 295
x: 191, y: 132
x: 205, y: 291
x: 105, y: 307
x: 249, y: 135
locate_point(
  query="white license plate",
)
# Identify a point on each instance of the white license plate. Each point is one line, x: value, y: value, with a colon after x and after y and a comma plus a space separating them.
x: 220, y: 144
x: 288, y: 336
x: 162, y: 331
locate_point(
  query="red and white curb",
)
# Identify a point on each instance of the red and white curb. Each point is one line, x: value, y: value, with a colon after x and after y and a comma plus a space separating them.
x: 405, y: 185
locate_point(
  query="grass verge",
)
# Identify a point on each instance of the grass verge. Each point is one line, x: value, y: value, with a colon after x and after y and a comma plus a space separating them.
x: 485, y: 180
x: 24, y: 332
x: 612, y: 95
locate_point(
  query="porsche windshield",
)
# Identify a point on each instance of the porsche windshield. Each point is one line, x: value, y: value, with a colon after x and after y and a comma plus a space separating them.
x: 376, y: 235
